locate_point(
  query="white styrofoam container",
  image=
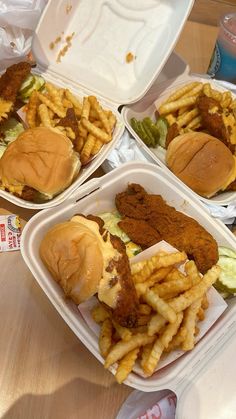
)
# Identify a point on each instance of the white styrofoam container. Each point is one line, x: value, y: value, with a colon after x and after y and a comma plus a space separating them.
x: 98, y: 196
x: 95, y: 63
x: 148, y: 107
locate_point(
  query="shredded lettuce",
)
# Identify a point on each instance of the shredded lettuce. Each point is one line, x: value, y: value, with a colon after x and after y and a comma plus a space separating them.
x: 111, y: 220
x: 10, y: 130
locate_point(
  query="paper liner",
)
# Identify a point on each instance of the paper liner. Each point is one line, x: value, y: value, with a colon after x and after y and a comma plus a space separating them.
x: 217, y: 306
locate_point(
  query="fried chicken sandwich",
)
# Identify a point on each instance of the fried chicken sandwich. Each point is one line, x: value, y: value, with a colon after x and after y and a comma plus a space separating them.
x: 38, y: 165
x: 202, y: 162
x: 85, y: 259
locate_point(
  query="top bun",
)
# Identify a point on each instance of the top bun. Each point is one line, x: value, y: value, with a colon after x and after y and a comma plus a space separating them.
x: 72, y: 253
x: 202, y: 162
x: 40, y: 158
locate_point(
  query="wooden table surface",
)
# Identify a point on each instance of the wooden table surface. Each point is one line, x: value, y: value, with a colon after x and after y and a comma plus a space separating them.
x: 45, y: 372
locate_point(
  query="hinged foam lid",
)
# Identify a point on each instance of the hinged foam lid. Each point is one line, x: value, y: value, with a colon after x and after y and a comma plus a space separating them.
x: 104, y: 34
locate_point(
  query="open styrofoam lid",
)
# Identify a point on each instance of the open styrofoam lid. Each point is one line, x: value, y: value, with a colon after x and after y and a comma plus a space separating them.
x: 103, y: 33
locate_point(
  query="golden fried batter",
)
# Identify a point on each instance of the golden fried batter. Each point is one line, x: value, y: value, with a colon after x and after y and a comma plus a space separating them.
x: 176, y: 228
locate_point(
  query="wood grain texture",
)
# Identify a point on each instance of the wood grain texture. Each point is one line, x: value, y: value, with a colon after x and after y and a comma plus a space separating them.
x: 210, y: 11
x: 46, y: 372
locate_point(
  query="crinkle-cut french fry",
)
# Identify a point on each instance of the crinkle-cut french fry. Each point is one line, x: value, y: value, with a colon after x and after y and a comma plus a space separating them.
x: 97, y: 147
x: 159, y: 275
x: 57, y: 110
x: 155, y: 324
x: 105, y: 337
x: 82, y: 131
x: 182, y: 111
x: 146, y: 350
x: 159, y: 261
x: 171, y: 119
x: 144, y: 309
x: 188, y: 117
x: 70, y: 133
x: 137, y: 267
x: 85, y: 108
x: 201, y: 314
x: 87, y: 149
x: 178, y: 104
x: 97, y: 132
x: 32, y: 109
x: 67, y: 104
x: 195, y: 91
x: 208, y: 91
x: 75, y: 102
x: 192, y: 271
x: 161, y: 343
x: 54, y: 94
x: 100, y: 113
x: 126, y: 365
x: 124, y: 333
x: 99, y: 314
x: 61, y: 92
x: 44, y: 116
x: 79, y: 143
x: 112, y: 121
x: 177, y: 340
x: 175, y: 286
x: 189, y: 323
x: 205, y: 302
x: 226, y: 99
x: 120, y: 349
x: 197, y: 291
x: 174, y: 274
x: 195, y: 123
x: 181, y: 92
x: 160, y: 306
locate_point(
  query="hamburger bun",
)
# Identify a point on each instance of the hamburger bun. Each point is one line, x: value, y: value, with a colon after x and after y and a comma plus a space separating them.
x: 202, y: 162
x: 40, y: 158
x: 73, y: 256
x: 84, y: 259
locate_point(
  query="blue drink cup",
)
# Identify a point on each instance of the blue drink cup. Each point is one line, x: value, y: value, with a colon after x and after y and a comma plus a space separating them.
x: 223, y: 61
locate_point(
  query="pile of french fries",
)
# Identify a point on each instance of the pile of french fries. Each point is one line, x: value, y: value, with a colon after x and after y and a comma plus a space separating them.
x: 181, y: 106
x: 91, y: 128
x: 171, y: 304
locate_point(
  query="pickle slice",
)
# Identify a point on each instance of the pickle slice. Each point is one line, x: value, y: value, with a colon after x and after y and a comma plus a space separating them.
x: 227, y: 279
x: 162, y: 126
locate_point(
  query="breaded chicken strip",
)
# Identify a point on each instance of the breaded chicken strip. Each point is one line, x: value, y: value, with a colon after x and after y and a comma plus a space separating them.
x: 12, y: 79
x: 176, y: 228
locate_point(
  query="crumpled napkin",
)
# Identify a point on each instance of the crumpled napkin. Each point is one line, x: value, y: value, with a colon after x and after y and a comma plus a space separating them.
x: 18, y: 20
x: 127, y: 149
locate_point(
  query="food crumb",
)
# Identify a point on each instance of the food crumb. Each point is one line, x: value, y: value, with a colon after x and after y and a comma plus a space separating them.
x: 68, y: 8
x: 64, y: 50
x: 53, y: 43
x: 129, y: 57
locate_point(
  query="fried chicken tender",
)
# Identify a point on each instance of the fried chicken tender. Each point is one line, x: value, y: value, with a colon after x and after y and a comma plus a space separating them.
x: 176, y: 228
x: 212, y: 120
x: 11, y: 80
x: 126, y: 311
x: 150, y: 238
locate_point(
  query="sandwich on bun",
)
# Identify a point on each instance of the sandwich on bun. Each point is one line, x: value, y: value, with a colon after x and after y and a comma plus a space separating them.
x: 85, y: 259
x: 202, y: 162
x: 39, y: 164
